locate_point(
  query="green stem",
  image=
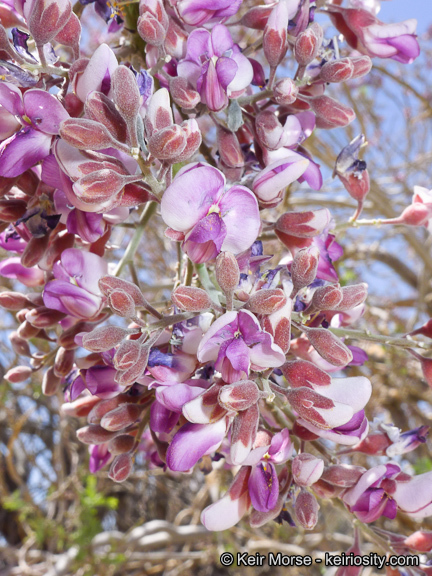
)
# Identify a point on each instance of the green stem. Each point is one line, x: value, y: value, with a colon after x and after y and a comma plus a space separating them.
x: 207, y: 284
x: 389, y: 340
x: 255, y: 97
x: 134, y: 243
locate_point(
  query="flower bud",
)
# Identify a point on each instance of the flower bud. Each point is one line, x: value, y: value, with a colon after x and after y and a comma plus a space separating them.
x: 270, y: 131
x: 331, y: 113
x: 13, y: 300
x: 127, y: 98
x: 304, y: 267
x: 229, y: 148
x: 270, y: 182
x: 136, y: 370
x: 306, y: 510
x: 50, y: 382
x: 337, y: 70
x: 103, y: 339
x: 308, y: 43
x: 243, y: 433
x: 275, y: 34
x: 34, y: 251
x: 342, y: 475
x: 175, y: 41
x: 421, y: 541
x: 12, y: 209
x: 356, y: 183
x: 18, y: 374
x: 121, y: 468
x: 80, y: 407
x: 87, y: 134
x: 191, y: 299
x: 101, y: 185
x: 46, y: 18
x: 94, y: 434
x: 301, y: 372
x: 192, y: 134
x: 285, y: 92
x: 159, y: 114
x: 362, y: 66
x: 327, y: 297
x: 266, y: 301
x: 426, y: 366
x: 329, y: 346
x: 121, y: 417
x: 127, y: 354
x: 121, y: 303
x: 19, y: 345
x: 256, y: 17
x: 101, y: 109
x: 227, y: 271
x: 258, y: 78
x: 109, y: 283
x: 306, y: 469
x: 304, y: 224
x: 352, y: 296
x: 70, y: 35
x: 183, y: 94
x: 374, y: 445
x: 153, y: 22
x: 168, y: 143
x: 278, y: 324
x: 121, y: 444
x: 63, y: 362
x: 239, y: 395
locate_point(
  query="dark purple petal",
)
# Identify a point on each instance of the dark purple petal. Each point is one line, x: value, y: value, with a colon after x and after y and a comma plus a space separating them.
x: 19, y: 39
x: 16, y: 75
x: 22, y: 151
x: 264, y: 487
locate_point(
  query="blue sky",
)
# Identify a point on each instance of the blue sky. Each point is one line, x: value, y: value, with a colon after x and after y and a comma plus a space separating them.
x: 397, y: 10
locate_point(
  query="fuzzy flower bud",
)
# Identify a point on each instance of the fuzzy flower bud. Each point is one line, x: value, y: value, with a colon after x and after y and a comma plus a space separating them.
x: 327, y: 297
x: 121, y: 468
x: 306, y: 469
x: 121, y: 444
x: 167, y: 144
x: 101, y: 109
x: 87, y: 134
x: 352, y: 296
x: 239, y: 395
x: 121, y: 417
x: 304, y: 267
x: 121, y: 303
x: 337, y: 70
x: 18, y: 374
x: 306, y: 510
x: 183, y: 94
x: 331, y: 113
x: 46, y: 18
x: 308, y: 44
x: 127, y: 98
x: 275, y: 34
x: 63, y: 362
x: 304, y: 224
x: 266, y: 301
x: 50, y: 383
x: 191, y: 299
x: 103, y: 339
x: 285, y: 92
x: 329, y: 346
x: 229, y: 148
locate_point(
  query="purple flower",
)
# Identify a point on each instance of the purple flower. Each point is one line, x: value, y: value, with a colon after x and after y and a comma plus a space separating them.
x: 12, y: 268
x: 75, y: 290
x: 209, y: 218
x: 40, y: 115
x: 215, y: 66
x: 373, y: 495
x: 237, y: 343
x: 365, y: 33
x: 99, y: 457
x: 198, y: 12
x: 97, y: 73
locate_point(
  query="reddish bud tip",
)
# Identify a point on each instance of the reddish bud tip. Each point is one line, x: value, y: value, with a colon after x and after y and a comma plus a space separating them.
x: 121, y: 444
x: 266, y: 301
x: 303, y: 373
x: 331, y: 113
x: 285, y: 92
x: 183, y: 94
x: 308, y: 43
x: 121, y: 303
x: 50, y: 383
x: 329, y: 346
x: 18, y: 374
x: 306, y: 510
x: 167, y: 144
x: 121, y: 468
x: 103, y: 339
x: 191, y: 299
x: 121, y: 417
x: 229, y: 148
x: 327, y: 297
x: 304, y: 267
x: 337, y: 70
x: 227, y: 271
x: 239, y: 395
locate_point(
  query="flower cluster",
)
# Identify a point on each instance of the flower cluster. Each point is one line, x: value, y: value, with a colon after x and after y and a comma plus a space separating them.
x: 244, y: 362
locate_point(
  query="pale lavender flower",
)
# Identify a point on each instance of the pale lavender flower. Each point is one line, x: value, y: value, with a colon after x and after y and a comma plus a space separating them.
x: 209, y: 218
x: 215, y: 66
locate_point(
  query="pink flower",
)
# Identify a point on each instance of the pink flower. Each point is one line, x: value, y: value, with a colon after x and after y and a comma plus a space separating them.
x: 215, y: 66
x: 75, y: 290
x: 365, y: 33
x: 237, y: 343
x: 208, y: 218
